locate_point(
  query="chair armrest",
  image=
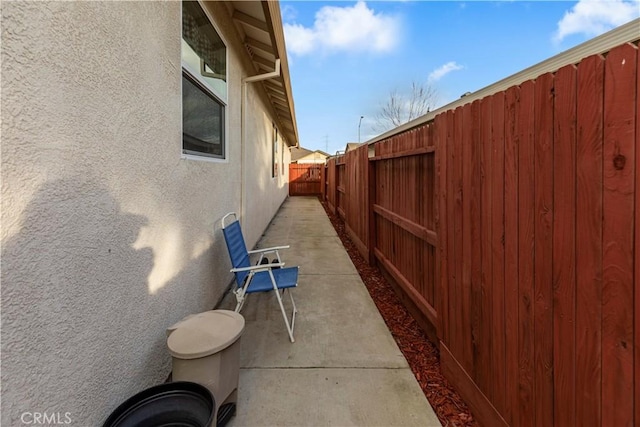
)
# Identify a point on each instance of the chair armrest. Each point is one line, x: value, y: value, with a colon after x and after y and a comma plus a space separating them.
x: 258, y: 268
x: 265, y: 250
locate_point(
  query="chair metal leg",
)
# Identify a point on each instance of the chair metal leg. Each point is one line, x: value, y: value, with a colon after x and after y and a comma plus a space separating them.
x: 284, y: 316
x: 240, y: 298
x: 295, y: 310
x: 284, y: 313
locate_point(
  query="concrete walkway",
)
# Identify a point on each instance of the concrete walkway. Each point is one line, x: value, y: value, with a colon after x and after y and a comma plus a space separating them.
x: 344, y: 369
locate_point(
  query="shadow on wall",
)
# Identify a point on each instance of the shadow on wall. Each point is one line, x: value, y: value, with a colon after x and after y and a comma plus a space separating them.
x: 74, y: 293
x: 80, y: 330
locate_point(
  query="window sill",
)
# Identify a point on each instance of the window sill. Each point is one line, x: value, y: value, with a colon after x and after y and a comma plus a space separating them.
x: 203, y: 158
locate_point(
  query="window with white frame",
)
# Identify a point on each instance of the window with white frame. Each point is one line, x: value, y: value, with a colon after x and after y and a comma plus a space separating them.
x: 204, y: 84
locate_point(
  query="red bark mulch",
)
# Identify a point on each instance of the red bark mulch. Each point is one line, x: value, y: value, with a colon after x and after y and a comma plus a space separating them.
x: 423, y: 357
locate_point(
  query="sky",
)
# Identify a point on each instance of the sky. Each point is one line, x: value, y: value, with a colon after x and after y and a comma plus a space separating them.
x: 346, y: 58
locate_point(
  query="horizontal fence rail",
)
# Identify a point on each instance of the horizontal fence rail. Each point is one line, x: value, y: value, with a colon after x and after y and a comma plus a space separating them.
x: 511, y: 226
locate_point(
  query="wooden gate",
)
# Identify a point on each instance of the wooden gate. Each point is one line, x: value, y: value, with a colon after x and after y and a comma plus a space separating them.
x: 305, y: 179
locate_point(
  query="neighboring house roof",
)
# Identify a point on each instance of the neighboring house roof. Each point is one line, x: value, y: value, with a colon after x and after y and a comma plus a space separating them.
x: 352, y: 146
x: 259, y: 26
x: 298, y: 153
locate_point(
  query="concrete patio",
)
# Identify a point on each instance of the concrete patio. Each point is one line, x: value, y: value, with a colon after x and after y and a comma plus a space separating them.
x: 344, y: 369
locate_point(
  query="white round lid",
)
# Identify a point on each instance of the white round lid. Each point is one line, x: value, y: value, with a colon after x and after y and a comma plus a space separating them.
x: 205, y: 334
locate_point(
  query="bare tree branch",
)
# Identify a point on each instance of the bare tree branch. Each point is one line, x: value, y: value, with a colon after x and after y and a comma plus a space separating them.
x: 400, y: 109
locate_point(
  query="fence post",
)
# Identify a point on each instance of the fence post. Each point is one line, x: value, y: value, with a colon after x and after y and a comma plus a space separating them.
x: 339, y: 178
x: 323, y: 182
x: 371, y: 184
x: 332, y: 184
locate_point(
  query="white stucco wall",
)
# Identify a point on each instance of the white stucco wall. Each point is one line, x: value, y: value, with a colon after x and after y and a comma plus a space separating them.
x: 108, y: 237
x: 263, y: 192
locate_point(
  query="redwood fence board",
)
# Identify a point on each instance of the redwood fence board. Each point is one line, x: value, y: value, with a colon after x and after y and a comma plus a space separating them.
x: 457, y: 300
x: 478, y: 341
x: 564, y: 245
x: 619, y: 181
x: 512, y: 224
x: 447, y: 232
x: 485, y: 358
x: 543, y: 266
x: 466, y: 235
x: 526, y: 234
x: 331, y: 184
x: 442, y: 296
x: 512, y: 319
x: 340, y: 186
x: 636, y: 282
x: 589, y: 212
x: 498, y: 327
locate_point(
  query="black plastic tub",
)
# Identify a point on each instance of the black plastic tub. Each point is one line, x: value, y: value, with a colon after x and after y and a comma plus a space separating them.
x: 178, y: 404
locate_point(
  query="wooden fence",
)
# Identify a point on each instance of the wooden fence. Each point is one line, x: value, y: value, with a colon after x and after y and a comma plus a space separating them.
x: 305, y: 179
x: 512, y: 224
x: 331, y: 184
x: 340, y: 186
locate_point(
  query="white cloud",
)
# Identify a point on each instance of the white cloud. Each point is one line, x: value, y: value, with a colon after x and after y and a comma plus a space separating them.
x: 594, y: 17
x: 442, y: 71
x: 355, y: 28
x: 300, y: 40
x: 288, y: 12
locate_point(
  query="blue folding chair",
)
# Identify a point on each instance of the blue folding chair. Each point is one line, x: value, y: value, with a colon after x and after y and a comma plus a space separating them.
x: 261, y: 277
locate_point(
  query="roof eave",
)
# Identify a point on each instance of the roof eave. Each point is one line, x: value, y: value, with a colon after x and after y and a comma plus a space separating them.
x: 274, y: 21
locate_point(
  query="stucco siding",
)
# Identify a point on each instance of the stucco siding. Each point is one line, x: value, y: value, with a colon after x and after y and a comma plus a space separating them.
x: 108, y: 236
x: 264, y: 192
